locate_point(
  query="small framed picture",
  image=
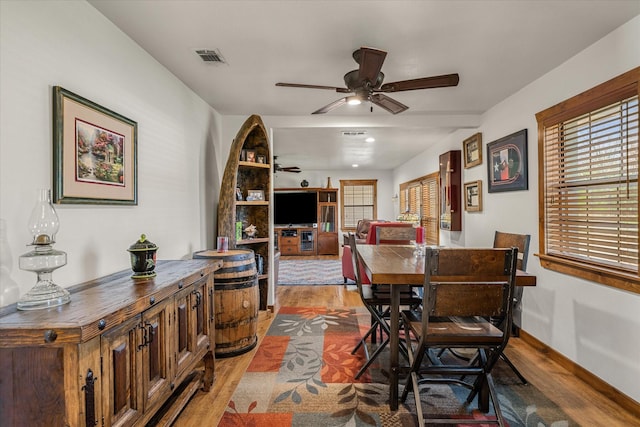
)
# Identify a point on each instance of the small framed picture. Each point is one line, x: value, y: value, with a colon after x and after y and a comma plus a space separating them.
x: 255, y: 195
x: 261, y: 159
x: 472, y: 150
x: 238, y: 194
x: 473, y: 196
x: 251, y: 156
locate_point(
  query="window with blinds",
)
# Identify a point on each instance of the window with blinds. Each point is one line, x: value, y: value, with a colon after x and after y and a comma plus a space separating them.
x: 359, y: 201
x: 589, y: 193
x: 429, y: 212
x: 421, y: 197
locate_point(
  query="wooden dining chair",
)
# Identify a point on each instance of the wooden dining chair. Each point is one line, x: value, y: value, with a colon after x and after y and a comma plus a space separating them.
x: 377, y: 303
x: 520, y: 241
x: 463, y: 289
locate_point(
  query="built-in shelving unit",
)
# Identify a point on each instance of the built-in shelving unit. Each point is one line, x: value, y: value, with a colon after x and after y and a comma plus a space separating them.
x: 319, y: 239
x: 243, y: 177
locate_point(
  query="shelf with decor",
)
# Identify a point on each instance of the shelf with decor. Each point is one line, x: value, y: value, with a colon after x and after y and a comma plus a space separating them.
x: 244, y: 179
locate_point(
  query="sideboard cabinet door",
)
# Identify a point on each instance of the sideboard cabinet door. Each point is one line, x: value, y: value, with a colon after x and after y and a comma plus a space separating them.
x: 156, y: 352
x: 192, y: 325
x: 121, y: 383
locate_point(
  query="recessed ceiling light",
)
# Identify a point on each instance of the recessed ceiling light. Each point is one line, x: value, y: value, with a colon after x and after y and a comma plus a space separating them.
x: 355, y: 165
x: 370, y: 139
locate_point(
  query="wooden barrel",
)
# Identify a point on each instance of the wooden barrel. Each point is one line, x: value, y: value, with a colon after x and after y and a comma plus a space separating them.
x: 236, y: 299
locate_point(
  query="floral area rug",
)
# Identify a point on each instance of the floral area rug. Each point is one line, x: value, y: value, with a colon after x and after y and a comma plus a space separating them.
x: 303, y: 375
x: 310, y: 272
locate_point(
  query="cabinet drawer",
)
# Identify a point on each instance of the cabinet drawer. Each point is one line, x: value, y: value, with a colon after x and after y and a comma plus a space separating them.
x: 289, y: 241
x: 289, y: 249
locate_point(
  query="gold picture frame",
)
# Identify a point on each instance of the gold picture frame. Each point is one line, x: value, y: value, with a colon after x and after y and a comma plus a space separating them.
x: 94, y: 153
x: 473, y: 196
x: 472, y: 150
x: 255, y: 195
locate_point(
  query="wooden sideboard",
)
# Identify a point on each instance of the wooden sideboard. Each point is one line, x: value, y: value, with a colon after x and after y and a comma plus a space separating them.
x: 113, y: 356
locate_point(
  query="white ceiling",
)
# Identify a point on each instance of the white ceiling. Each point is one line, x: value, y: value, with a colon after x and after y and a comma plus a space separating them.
x: 496, y: 47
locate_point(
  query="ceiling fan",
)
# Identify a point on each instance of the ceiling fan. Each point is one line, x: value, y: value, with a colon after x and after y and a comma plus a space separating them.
x: 278, y: 168
x: 366, y: 83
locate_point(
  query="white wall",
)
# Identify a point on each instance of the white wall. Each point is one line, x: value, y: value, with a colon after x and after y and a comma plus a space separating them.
x: 596, y: 326
x: 70, y: 44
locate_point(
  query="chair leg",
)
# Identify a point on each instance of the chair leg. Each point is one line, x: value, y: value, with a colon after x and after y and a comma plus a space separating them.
x: 363, y: 340
x: 513, y: 368
x: 372, y: 358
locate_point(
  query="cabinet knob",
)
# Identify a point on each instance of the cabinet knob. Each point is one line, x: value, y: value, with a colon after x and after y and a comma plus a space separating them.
x: 50, y: 336
x: 102, y: 324
x: 180, y: 284
x: 152, y: 300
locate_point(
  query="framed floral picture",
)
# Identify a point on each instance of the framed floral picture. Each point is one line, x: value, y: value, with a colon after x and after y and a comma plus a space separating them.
x: 94, y: 153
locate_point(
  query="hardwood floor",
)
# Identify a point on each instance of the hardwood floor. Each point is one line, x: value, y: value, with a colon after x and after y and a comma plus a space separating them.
x: 586, y: 405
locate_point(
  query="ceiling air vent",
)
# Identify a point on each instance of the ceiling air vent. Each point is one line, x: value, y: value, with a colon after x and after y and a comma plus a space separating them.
x: 354, y: 132
x: 211, y: 56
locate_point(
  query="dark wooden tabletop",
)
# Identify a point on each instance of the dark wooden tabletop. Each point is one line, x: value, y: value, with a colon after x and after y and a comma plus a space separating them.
x: 397, y: 264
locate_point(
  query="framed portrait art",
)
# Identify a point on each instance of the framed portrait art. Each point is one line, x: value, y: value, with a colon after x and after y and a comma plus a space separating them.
x: 94, y: 153
x: 507, y: 163
x: 472, y: 150
x: 473, y: 196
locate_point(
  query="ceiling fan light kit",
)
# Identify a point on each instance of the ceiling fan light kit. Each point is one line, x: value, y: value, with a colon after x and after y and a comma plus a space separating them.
x: 366, y: 84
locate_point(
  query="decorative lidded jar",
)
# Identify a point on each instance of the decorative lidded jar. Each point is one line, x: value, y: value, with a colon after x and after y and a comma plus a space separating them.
x: 143, y: 258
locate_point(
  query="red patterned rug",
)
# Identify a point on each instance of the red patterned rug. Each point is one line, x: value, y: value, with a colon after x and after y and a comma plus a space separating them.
x: 303, y: 375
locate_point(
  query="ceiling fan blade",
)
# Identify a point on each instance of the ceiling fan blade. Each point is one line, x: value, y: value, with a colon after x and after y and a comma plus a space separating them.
x: 370, y: 61
x: 389, y: 104
x: 299, y: 85
x: 340, y: 102
x: 423, y: 83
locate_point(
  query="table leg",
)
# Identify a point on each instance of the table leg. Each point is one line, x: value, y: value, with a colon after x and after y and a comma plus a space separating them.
x: 394, y: 344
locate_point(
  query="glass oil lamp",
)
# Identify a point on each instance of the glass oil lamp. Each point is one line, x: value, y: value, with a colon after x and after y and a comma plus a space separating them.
x: 43, y: 259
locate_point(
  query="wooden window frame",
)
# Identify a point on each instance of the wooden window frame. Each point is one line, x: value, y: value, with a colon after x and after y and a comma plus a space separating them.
x: 613, y: 91
x: 352, y: 183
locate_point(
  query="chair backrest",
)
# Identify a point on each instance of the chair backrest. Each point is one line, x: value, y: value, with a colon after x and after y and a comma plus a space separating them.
x: 469, y: 282
x: 398, y: 235
x: 355, y: 260
x: 362, y: 229
x: 510, y: 240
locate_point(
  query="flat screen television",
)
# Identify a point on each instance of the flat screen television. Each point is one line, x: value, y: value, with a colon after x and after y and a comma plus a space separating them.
x: 295, y: 208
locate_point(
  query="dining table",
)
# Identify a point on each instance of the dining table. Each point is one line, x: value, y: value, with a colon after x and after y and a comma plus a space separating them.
x: 397, y: 265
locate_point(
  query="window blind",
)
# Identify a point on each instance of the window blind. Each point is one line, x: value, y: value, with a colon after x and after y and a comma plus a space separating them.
x: 358, y: 201
x: 429, y: 214
x: 591, y: 186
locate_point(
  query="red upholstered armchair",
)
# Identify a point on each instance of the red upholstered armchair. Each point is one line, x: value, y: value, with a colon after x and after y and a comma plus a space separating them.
x: 347, y: 265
